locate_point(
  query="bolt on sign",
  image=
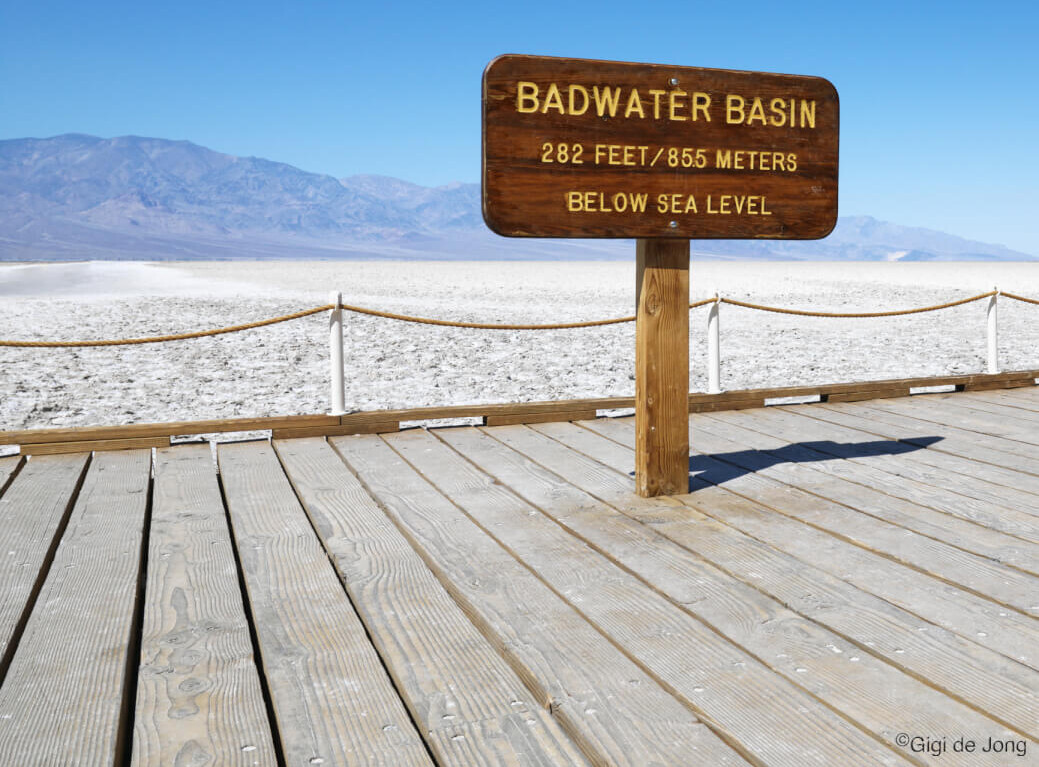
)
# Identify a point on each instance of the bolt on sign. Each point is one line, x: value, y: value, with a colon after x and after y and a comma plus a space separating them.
x: 581, y: 148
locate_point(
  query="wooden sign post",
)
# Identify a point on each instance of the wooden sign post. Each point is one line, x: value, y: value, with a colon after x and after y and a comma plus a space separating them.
x: 663, y: 154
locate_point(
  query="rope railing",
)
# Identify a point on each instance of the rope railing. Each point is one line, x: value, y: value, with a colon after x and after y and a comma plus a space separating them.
x: 496, y: 326
x: 336, y: 308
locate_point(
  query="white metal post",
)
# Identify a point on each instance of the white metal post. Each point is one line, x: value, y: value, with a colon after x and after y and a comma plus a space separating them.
x: 993, y: 340
x: 714, y: 371
x: 335, y: 354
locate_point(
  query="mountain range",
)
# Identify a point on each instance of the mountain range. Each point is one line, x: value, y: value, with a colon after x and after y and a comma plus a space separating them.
x: 75, y: 197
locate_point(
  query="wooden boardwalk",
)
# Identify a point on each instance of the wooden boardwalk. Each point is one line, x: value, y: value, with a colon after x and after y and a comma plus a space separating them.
x: 844, y: 584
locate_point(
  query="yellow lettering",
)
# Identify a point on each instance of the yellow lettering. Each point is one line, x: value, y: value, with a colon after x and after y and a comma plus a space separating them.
x: 778, y: 118
x: 573, y: 202
x: 723, y: 158
x: 656, y: 103
x: 661, y: 203
x: 690, y: 205
x: 673, y: 103
x: 634, y: 104
x: 606, y: 100
x: 757, y: 112
x: 583, y: 92
x: 734, y: 109
x: 791, y: 162
x: 600, y: 150
x: 526, y: 97
x: 638, y: 202
x: 553, y: 100
x: 701, y: 103
x: 629, y: 155
x: 737, y: 159
x: 807, y: 114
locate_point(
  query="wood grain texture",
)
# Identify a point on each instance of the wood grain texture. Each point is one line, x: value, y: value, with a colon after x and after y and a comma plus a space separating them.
x: 867, y: 690
x: 333, y: 431
x: 884, y: 464
x: 524, y: 194
x: 908, y: 428
x: 32, y: 512
x: 173, y: 428
x: 619, y: 714
x: 133, y: 443
x: 771, y: 484
x: 975, y: 618
x: 566, y: 415
x: 331, y: 696
x: 1006, y: 690
x: 954, y: 412
x: 474, y: 707
x: 8, y: 467
x: 1013, y: 490
x: 198, y: 691
x: 941, y: 515
x: 662, y: 368
x: 740, y: 697
x: 66, y: 690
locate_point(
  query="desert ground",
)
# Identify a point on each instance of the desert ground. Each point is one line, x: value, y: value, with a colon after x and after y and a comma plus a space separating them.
x: 283, y: 369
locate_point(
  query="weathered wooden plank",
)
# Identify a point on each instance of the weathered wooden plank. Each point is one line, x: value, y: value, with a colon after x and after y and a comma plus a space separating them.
x: 8, y: 466
x: 780, y: 486
x: 969, y: 615
x: 865, y: 394
x: 1022, y: 398
x: 876, y: 521
x: 565, y: 415
x: 771, y: 717
x: 985, y: 403
x: 331, y: 696
x: 952, y: 412
x: 33, y: 511
x: 173, y: 428
x: 56, y: 448
x: 960, y: 495
x: 198, y: 691
x: 1006, y: 690
x: 969, y: 444
x: 614, y: 710
x: 332, y: 431
x: 933, y: 512
x: 662, y: 367
x: 65, y: 698
x: 965, y: 445
x: 731, y: 601
x: 466, y: 700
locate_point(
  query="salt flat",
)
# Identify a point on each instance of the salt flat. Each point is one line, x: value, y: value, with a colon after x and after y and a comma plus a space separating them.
x: 283, y: 369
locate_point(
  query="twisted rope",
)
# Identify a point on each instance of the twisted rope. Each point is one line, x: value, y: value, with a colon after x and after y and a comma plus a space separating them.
x: 1020, y: 298
x: 487, y: 325
x: 896, y: 313
x: 174, y: 337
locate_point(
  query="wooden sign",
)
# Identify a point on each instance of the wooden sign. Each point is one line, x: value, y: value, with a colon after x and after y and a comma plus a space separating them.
x: 580, y: 148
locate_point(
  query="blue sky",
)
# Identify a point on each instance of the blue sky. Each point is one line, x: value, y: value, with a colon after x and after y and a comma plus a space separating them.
x: 939, y: 104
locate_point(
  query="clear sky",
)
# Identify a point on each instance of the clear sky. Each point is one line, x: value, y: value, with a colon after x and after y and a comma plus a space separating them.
x: 939, y: 101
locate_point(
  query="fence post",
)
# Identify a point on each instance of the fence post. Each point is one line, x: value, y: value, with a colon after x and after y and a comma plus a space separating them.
x: 714, y: 365
x: 335, y: 354
x: 993, y: 335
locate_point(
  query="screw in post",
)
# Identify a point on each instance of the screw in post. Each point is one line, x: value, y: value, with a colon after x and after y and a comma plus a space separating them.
x: 674, y: 81
x: 673, y: 224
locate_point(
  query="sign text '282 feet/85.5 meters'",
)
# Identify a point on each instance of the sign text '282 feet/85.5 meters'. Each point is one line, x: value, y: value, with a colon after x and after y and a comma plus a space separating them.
x: 578, y: 148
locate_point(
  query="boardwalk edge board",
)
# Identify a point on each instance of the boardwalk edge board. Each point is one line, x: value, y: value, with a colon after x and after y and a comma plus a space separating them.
x: 39, y: 441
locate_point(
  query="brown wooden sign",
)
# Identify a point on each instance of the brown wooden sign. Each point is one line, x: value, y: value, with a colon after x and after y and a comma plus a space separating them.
x: 580, y: 148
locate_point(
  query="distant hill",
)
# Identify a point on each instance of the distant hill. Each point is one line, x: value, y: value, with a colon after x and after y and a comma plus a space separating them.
x: 83, y: 197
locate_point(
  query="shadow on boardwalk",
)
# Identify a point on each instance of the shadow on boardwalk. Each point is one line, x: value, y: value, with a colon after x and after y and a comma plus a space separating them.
x: 719, y: 468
